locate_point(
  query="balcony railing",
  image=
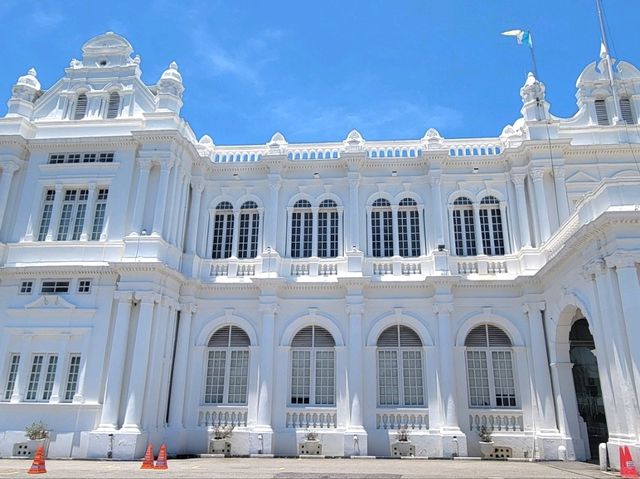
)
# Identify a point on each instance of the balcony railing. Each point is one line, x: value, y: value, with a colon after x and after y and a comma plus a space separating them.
x: 507, y: 420
x: 311, y: 418
x: 402, y: 419
x: 218, y: 416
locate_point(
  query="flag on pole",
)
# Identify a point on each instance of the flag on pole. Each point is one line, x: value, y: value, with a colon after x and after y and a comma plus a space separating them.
x: 522, y: 36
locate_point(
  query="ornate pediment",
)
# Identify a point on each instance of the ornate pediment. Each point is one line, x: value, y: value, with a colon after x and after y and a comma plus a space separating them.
x: 581, y: 177
x: 50, y: 301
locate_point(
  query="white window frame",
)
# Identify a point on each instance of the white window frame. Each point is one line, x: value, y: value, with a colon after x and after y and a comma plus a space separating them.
x: 72, y: 214
x: 35, y: 385
x: 249, y: 230
x: 72, y: 377
x: 409, y: 229
x: 11, y: 377
x: 491, y: 227
x: 328, y: 229
x: 464, y: 232
x: 223, y: 224
x: 301, y: 229
x: 381, y: 225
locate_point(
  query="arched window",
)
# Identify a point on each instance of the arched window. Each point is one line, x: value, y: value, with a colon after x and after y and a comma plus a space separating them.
x: 223, y: 231
x: 491, y: 226
x: 409, y: 228
x: 313, y: 367
x: 328, y: 229
x: 464, y: 232
x: 227, y: 367
x: 113, y: 106
x: 400, y: 379
x: 381, y: 228
x: 80, y: 110
x: 626, y: 111
x: 490, y: 368
x: 602, y: 115
x: 249, y: 227
x: 301, y: 230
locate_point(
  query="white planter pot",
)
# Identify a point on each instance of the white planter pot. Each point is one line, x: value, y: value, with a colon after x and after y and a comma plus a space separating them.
x: 487, y: 449
x: 220, y: 446
x: 310, y: 448
x: 27, y: 448
x: 402, y: 449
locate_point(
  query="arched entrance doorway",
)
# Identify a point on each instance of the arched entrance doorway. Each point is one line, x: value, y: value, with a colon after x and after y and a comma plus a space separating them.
x: 587, y: 383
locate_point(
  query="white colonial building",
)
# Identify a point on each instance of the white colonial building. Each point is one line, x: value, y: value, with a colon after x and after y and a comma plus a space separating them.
x: 154, y: 286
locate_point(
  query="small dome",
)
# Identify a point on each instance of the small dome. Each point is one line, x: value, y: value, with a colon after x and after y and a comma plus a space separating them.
x: 277, y: 139
x: 432, y: 134
x: 172, y: 73
x: 29, y: 80
x: 206, y: 140
x: 354, y: 136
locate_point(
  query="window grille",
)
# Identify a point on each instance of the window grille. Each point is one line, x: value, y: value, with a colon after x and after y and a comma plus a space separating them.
x: 84, y: 286
x: 463, y: 227
x: 301, y: 230
x: 227, y: 367
x: 381, y: 228
x: 400, y: 363
x: 54, y: 287
x: 47, y: 209
x: 491, y: 226
x: 409, y: 228
x: 99, y: 215
x: 113, y: 106
x: 72, y: 377
x: 490, y: 368
x: 602, y: 116
x: 41, y: 377
x: 313, y: 367
x: 60, y: 158
x: 223, y: 231
x: 626, y: 111
x: 26, y: 287
x: 328, y: 229
x: 12, y: 374
x: 249, y: 229
x: 74, y: 207
x: 81, y: 107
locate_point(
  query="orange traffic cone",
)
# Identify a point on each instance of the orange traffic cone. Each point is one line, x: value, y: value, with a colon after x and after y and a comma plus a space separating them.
x: 161, y: 462
x: 38, y: 466
x: 627, y: 467
x: 147, y: 462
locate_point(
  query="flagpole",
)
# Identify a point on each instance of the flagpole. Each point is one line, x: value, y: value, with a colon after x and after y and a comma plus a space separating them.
x: 607, y: 58
x: 533, y: 59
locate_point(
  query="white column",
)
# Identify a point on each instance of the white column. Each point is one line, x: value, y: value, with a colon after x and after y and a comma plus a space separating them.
x: 139, y: 362
x: 271, y: 214
x: 22, y: 378
x: 615, y: 342
x: 89, y: 212
x: 477, y: 229
x: 113, y: 389
x: 179, y: 383
x: 161, y: 198
x: 446, y: 373
x: 173, y: 205
x: 355, y: 373
x: 537, y: 175
x: 265, y: 366
x: 354, y: 212
x: 340, y: 231
x: 58, y: 380
x: 542, y: 380
x: 141, y: 196
x: 629, y: 290
x: 561, y: 192
x: 55, y: 213
x: 194, y: 215
x: 523, y: 213
x: 8, y: 169
x: 394, y: 229
x: 438, y: 224
x: 566, y: 400
x: 314, y: 231
x: 181, y: 227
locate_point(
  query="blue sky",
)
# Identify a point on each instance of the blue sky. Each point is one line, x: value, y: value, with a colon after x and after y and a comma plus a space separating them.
x: 315, y: 70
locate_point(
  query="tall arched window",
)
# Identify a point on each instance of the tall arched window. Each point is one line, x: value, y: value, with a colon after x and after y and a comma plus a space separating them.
x: 409, y: 228
x: 313, y: 367
x: 626, y: 111
x: 222, y: 231
x: 249, y: 228
x: 113, y: 105
x: 328, y: 229
x: 400, y: 379
x: 381, y: 228
x: 80, y: 109
x: 301, y: 230
x: 464, y: 232
x: 490, y: 368
x: 491, y: 226
x: 602, y: 115
x: 227, y: 367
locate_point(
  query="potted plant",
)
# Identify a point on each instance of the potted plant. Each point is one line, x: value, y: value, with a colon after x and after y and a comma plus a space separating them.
x: 402, y: 445
x: 487, y: 448
x: 311, y: 445
x: 220, y: 443
x: 37, y: 433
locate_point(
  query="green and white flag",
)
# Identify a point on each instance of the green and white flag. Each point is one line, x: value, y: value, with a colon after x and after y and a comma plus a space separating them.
x: 523, y: 37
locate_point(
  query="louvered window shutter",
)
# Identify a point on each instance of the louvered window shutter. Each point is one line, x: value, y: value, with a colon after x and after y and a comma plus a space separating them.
x: 389, y: 338
x: 625, y: 110
x: 477, y: 337
x: 113, y: 107
x: 409, y: 338
x: 304, y: 338
x: 220, y: 338
x: 601, y: 112
x: 81, y: 107
x: 239, y: 338
x: 497, y: 338
x: 322, y: 338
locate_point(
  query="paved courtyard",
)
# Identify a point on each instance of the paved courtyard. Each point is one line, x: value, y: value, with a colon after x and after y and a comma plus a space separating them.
x: 309, y: 469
